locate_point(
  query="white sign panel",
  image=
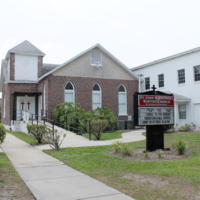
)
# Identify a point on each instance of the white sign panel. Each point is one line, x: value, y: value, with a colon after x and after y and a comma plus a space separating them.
x: 156, y: 115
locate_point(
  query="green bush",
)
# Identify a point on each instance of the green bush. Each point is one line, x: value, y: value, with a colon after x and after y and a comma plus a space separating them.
x: 38, y: 132
x: 97, y: 127
x: 55, y: 139
x: 185, y: 128
x: 2, y: 133
x: 117, y: 146
x: 126, y: 149
x: 68, y: 116
x: 180, y: 146
x: 106, y: 114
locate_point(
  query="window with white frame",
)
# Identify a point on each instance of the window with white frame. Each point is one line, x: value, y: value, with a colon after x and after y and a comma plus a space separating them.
x: 96, y: 96
x: 181, y: 76
x: 69, y: 93
x: 122, y: 100
x: 96, y: 58
x: 182, y: 111
x: 4, y: 106
x: 197, y: 73
x: 161, y: 80
x: 44, y: 100
x: 147, y: 83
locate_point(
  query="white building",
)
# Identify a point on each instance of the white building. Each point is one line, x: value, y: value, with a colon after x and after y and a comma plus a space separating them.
x: 178, y: 74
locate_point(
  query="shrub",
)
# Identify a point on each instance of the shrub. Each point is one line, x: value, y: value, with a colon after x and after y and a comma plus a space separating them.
x: 117, y: 146
x: 106, y: 114
x: 68, y: 115
x: 180, y: 146
x: 55, y: 139
x: 126, y: 149
x: 2, y: 133
x: 38, y: 132
x: 185, y: 128
x: 97, y: 127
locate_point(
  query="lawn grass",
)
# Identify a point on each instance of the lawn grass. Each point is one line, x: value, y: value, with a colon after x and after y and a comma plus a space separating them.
x: 182, y: 176
x: 11, y: 185
x: 23, y: 136
x: 106, y: 136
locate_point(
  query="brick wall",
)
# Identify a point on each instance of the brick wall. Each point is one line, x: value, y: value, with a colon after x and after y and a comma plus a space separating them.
x: 83, y: 92
x: 12, y: 66
x: 40, y: 63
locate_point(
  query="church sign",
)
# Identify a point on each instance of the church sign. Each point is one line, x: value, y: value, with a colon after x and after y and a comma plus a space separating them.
x: 152, y: 109
x: 155, y: 109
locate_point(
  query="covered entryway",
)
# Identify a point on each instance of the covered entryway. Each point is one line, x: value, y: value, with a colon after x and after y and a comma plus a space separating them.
x: 25, y: 102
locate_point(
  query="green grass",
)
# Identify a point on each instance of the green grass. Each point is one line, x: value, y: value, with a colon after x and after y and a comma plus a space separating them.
x: 98, y: 163
x: 10, y: 182
x: 106, y: 136
x: 23, y: 136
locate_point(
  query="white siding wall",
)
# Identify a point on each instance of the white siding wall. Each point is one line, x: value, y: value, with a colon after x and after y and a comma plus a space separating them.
x: 189, y: 89
x: 26, y: 67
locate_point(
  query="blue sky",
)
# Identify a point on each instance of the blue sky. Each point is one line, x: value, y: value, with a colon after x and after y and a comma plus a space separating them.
x: 135, y: 31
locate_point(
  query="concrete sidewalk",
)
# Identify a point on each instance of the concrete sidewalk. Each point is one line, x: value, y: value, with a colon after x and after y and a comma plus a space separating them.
x: 73, y: 140
x: 50, y: 179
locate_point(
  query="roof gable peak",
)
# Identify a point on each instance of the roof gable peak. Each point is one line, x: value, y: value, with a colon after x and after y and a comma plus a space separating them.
x: 25, y: 48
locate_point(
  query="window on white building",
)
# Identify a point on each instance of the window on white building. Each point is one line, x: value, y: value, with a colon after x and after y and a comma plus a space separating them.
x: 161, y: 80
x: 96, y: 97
x: 147, y: 83
x: 96, y: 58
x: 122, y: 100
x: 182, y: 111
x: 69, y: 93
x: 197, y: 73
x: 181, y: 76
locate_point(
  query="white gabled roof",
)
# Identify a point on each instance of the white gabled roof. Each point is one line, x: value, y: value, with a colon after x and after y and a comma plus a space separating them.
x: 25, y: 48
x: 100, y: 48
x: 166, y: 58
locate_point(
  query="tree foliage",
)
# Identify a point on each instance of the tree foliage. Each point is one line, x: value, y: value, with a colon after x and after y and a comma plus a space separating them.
x: 73, y: 118
x: 38, y: 132
x: 2, y: 133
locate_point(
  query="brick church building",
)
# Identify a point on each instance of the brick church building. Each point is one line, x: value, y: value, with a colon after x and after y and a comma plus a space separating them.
x: 93, y: 78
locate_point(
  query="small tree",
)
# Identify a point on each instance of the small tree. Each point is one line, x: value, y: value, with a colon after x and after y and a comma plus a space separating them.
x: 38, y: 132
x: 2, y: 133
x: 97, y: 127
x: 55, y: 139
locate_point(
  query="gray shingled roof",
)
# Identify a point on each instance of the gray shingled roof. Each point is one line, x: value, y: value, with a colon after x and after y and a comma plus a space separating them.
x: 25, y: 48
x: 48, y: 67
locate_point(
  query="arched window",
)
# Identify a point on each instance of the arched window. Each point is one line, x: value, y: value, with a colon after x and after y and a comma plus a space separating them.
x: 122, y: 100
x: 69, y: 93
x: 96, y: 97
x: 44, y: 100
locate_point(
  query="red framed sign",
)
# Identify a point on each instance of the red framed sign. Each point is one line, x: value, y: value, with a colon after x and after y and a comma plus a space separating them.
x: 155, y: 100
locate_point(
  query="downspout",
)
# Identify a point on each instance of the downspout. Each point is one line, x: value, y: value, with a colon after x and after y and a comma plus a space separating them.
x: 139, y: 84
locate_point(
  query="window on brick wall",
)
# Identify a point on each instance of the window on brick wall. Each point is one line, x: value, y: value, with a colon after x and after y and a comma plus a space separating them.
x: 69, y: 93
x: 4, y: 106
x: 44, y: 100
x: 96, y: 58
x: 147, y: 83
x: 161, y: 80
x: 181, y: 76
x: 122, y: 100
x: 96, y: 96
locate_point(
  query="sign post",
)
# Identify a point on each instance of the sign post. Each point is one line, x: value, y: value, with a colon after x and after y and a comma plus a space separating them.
x: 154, y: 109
